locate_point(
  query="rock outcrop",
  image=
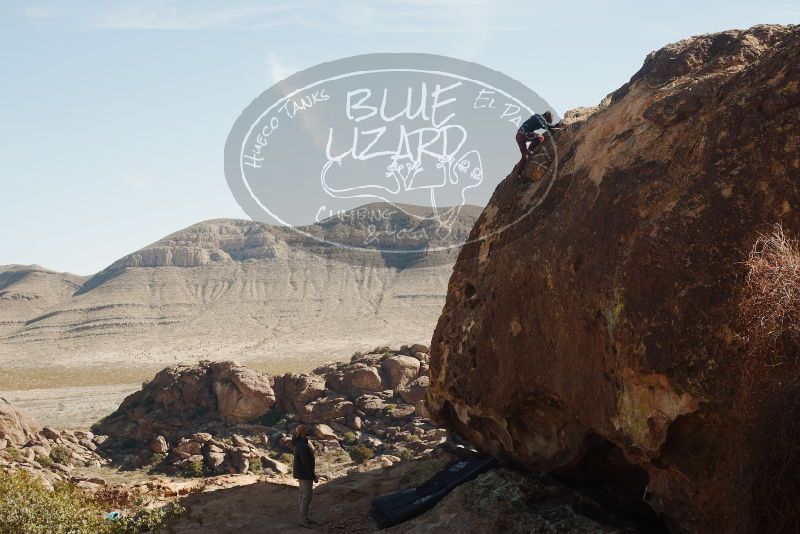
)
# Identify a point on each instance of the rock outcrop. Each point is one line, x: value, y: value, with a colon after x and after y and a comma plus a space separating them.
x: 510, y: 502
x: 222, y: 417
x: 294, y: 391
x: 182, y: 396
x: 16, y: 427
x: 400, y: 370
x: 243, y: 394
x: 48, y: 454
x: 597, y: 333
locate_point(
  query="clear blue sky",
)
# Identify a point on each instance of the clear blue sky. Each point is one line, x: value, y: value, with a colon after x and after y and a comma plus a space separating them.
x: 113, y: 115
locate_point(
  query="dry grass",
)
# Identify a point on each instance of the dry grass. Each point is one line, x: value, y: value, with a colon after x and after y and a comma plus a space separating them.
x: 769, y: 402
x: 772, y: 299
x: 26, y: 378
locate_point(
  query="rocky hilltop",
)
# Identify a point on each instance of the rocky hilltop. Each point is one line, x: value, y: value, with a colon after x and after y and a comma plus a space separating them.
x: 600, y: 337
x: 240, y: 289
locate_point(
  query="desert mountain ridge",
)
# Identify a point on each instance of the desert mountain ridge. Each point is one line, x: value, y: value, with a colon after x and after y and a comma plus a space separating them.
x: 27, y: 291
x: 230, y: 288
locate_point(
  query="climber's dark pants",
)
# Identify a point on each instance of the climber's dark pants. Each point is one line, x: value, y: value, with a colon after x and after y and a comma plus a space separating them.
x: 522, y: 141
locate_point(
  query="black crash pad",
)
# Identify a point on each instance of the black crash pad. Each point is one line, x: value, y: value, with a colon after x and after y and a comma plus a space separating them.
x: 403, y: 505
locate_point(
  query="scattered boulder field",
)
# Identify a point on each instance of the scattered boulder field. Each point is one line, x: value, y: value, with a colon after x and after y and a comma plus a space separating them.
x: 49, y: 454
x: 216, y: 437
x: 218, y: 417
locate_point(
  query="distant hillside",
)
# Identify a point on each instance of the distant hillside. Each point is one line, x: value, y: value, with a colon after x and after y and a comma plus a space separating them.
x: 235, y: 288
x: 27, y: 291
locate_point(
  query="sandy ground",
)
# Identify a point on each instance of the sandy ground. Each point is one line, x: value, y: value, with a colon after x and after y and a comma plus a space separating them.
x: 269, y: 505
x: 70, y: 408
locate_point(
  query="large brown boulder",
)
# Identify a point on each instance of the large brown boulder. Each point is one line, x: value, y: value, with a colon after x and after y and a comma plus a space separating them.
x: 16, y: 427
x: 363, y: 379
x: 593, y: 323
x: 243, y: 394
x: 358, y: 378
x: 159, y: 445
x: 293, y: 391
x: 415, y: 391
x: 326, y: 409
x: 399, y: 370
x: 182, y: 397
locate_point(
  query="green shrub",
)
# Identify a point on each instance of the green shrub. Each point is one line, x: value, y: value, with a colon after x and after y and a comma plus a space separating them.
x: 28, y: 507
x: 61, y: 455
x: 193, y: 469
x: 288, y: 418
x: 14, y: 453
x: 277, y: 418
x: 44, y: 461
x: 147, y: 520
x: 255, y: 465
x: 406, y: 454
x: 361, y: 453
x: 349, y: 438
x: 156, y: 459
x: 413, y: 438
x: 283, y: 457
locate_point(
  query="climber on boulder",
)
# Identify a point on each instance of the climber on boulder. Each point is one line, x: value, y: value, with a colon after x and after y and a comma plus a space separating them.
x: 527, y: 134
